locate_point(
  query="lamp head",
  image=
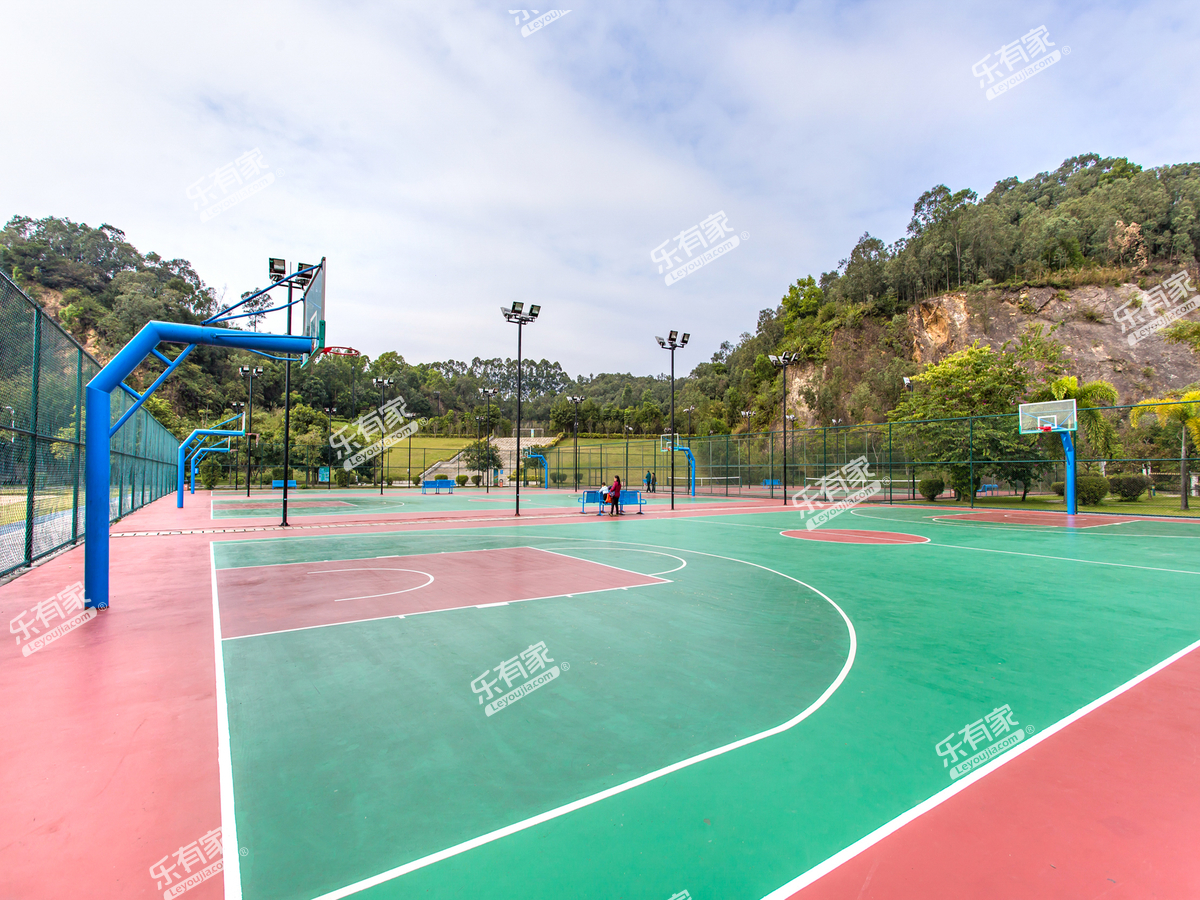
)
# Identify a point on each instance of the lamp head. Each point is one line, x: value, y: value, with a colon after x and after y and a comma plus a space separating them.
x: 683, y: 340
x: 671, y: 336
x: 661, y: 341
x: 277, y: 269
x: 534, y: 310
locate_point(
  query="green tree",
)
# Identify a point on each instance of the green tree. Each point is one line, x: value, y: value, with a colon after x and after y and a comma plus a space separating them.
x: 1178, y: 409
x: 1101, y: 433
x: 481, y: 456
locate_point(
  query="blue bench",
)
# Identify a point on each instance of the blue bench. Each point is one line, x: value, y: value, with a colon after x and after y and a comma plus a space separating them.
x: 438, y: 485
x: 988, y: 489
x: 770, y: 482
x: 627, y: 497
x: 278, y: 483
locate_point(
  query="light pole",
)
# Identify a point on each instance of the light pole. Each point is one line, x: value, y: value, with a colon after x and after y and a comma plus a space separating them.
x: 673, y: 342
x: 329, y: 411
x: 488, y: 394
x: 236, y: 405
x: 277, y: 270
x: 576, y: 401
x: 438, y: 394
x: 689, y: 411
x: 382, y: 384
x: 782, y: 362
x: 249, y: 372
x: 516, y: 313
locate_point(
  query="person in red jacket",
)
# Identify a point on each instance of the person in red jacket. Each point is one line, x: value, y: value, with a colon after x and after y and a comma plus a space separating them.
x: 614, y: 496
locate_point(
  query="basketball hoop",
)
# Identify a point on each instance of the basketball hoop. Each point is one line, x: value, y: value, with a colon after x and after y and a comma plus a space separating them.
x: 339, y: 351
x: 1046, y: 428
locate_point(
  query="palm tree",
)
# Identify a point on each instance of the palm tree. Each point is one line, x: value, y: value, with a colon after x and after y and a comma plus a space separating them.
x: 1088, y: 397
x: 1184, y: 410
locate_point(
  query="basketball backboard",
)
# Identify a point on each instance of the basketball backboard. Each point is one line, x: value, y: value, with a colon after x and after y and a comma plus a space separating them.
x: 314, y: 311
x: 1051, y: 415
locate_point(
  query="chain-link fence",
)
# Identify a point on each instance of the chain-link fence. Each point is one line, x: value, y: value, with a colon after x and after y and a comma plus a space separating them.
x: 43, y: 371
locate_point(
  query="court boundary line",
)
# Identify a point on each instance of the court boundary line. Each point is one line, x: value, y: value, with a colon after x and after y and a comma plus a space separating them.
x: 924, y: 540
x: 232, y: 870
x: 1088, y: 562
x: 622, y: 569
x: 1039, y: 529
x: 557, y: 812
x: 845, y: 855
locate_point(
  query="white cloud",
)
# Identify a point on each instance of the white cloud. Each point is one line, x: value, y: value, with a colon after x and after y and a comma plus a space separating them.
x: 446, y: 165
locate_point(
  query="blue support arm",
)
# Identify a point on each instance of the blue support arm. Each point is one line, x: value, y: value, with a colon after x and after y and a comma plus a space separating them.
x: 183, y: 456
x: 1069, y: 450
x: 99, y: 416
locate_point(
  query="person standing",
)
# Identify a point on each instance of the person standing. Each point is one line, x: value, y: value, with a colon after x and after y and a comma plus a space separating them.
x: 614, y: 496
x: 653, y: 483
x: 646, y: 481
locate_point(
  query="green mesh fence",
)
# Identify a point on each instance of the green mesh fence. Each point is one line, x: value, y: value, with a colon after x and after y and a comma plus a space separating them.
x: 43, y: 371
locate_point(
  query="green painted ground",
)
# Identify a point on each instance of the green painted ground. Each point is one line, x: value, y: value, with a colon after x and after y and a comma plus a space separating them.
x: 359, y: 748
x: 354, y: 502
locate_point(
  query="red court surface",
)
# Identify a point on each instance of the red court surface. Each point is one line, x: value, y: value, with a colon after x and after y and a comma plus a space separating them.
x: 851, y: 536
x: 1061, y: 520
x: 352, y: 590
x: 278, y: 504
x: 1037, y: 827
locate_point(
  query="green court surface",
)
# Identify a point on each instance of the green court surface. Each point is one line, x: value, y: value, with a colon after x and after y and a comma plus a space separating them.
x: 357, y: 502
x: 763, y: 704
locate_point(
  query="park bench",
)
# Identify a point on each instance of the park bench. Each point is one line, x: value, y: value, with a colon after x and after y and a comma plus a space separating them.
x: 438, y: 485
x: 988, y: 489
x: 770, y: 482
x: 278, y: 483
x: 628, y: 496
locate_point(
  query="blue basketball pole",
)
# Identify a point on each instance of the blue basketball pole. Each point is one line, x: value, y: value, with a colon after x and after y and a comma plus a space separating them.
x: 97, y: 470
x: 1069, y: 480
x: 183, y: 449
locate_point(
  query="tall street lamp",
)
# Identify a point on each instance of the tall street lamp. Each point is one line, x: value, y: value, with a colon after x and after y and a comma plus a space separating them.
x: 516, y: 313
x: 689, y: 411
x: 236, y: 406
x: 489, y: 393
x: 576, y: 401
x: 249, y: 372
x: 329, y: 411
x: 277, y: 270
x: 382, y: 384
x: 782, y: 361
x: 673, y: 342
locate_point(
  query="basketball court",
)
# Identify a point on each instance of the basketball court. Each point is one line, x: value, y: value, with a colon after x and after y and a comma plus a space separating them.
x: 417, y: 696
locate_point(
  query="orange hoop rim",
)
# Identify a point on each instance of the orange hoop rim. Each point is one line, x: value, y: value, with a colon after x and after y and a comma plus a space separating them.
x: 340, y: 351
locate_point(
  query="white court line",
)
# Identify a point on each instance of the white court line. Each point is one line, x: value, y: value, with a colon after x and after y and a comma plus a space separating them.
x: 628, y: 785
x: 232, y: 868
x: 1088, y: 562
x: 682, y: 562
x: 1046, y: 529
x: 377, y: 569
x: 942, y: 796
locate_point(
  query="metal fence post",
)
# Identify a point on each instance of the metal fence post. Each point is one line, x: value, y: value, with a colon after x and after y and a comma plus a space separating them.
x: 78, y: 424
x: 972, y: 458
x: 33, y: 431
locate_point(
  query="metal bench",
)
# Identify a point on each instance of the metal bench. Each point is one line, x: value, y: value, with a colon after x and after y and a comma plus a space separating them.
x: 437, y: 486
x: 628, y: 496
x: 278, y: 483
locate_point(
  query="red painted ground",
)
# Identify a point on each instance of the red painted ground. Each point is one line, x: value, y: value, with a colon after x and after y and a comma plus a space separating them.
x: 108, y: 757
x: 1089, y: 520
x: 851, y: 536
x: 1105, y: 808
x: 326, y: 593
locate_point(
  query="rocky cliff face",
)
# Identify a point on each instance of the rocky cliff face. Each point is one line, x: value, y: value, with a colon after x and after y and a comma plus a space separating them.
x: 1094, y: 342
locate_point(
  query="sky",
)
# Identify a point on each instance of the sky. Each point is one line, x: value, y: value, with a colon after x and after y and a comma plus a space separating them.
x: 448, y: 158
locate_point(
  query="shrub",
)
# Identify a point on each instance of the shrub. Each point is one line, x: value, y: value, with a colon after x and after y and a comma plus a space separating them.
x: 1059, y: 487
x: 416, y: 480
x: 441, y: 477
x: 341, y: 477
x: 475, y: 479
x: 558, y: 477
x: 461, y: 479
x: 1091, y: 489
x: 210, y: 473
x: 389, y: 481
x: 931, y: 488
x: 1129, y: 487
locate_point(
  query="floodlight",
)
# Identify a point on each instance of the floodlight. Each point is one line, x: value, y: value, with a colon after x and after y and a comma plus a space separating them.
x: 307, y: 276
x: 518, y: 307
x: 661, y: 342
x: 534, y: 310
x: 277, y: 269
x: 671, y: 336
x: 774, y: 359
x: 683, y: 341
